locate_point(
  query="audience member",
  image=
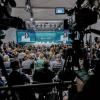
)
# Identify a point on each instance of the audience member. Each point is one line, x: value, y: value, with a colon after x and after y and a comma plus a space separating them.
x: 26, y: 64
x: 57, y: 64
x: 32, y: 60
x: 43, y: 76
x: 6, y: 61
x: 17, y: 78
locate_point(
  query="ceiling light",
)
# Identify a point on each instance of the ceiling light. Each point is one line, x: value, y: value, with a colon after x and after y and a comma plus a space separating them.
x: 31, y: 19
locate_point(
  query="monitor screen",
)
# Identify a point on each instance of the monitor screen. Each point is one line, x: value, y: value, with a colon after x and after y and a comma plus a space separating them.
x: 25, y: 36
x: 60, y: 10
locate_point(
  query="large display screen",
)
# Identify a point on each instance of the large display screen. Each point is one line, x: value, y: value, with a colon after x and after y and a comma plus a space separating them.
x: 32, y: 36
x: 25, y: 36
x: 48, y: 36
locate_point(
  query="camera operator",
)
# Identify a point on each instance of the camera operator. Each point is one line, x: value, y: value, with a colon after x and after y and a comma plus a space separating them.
x: 91, y: 87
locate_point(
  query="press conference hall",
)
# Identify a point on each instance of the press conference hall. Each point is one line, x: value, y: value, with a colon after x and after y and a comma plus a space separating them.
x: 49, y: 50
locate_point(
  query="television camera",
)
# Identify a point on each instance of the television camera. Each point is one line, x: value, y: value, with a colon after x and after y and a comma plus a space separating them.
x: 6, y: 20
x: 86, y: 13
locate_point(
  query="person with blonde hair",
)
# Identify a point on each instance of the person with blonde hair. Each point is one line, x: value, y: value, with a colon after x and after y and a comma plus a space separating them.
x: 6, y: 61
x: 40, y: 61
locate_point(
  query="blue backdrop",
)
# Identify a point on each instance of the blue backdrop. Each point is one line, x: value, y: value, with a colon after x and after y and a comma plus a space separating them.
x: 20, y: 33
x: 41, y: 36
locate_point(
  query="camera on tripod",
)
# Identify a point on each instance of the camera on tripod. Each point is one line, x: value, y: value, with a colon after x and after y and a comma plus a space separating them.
x: 6, y: 20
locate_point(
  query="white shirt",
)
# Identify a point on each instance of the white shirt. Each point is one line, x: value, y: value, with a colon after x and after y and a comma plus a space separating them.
x: 21, y: 55
x: 27, y: 63
x: 24, y: 39
x: 63, y: 39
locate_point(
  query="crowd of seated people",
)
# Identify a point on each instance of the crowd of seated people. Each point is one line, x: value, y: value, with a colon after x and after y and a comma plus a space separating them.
x: 26, y: 64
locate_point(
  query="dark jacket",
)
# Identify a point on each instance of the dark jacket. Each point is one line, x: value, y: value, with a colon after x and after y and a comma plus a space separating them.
x: 43, y: 76
x: 17, y: 78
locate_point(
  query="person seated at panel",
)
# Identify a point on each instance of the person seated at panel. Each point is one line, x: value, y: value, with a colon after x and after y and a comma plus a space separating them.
x: 25, y: 38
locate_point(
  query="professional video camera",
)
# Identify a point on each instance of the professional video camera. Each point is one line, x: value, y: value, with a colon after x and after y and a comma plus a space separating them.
x: 6, y: 20
x: 86, y: 16
x: 86, y: 13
